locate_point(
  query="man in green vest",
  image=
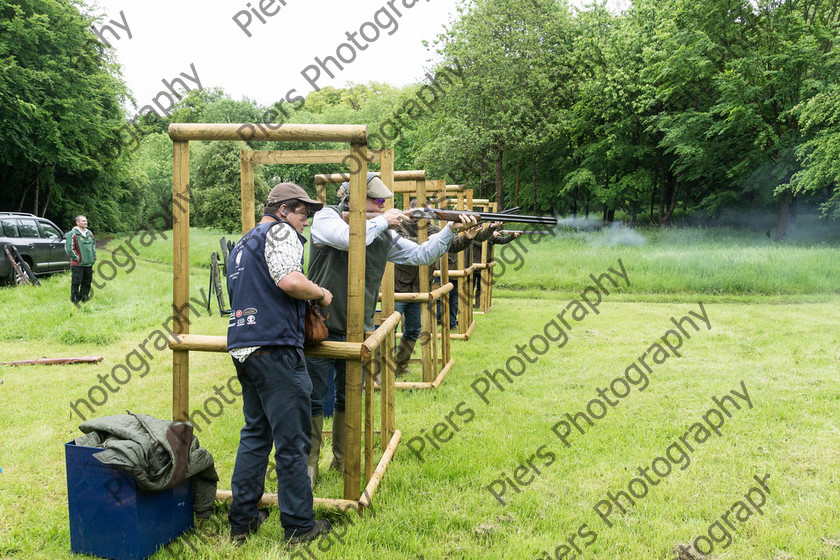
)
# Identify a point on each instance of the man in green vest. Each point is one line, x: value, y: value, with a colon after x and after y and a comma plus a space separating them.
x: 80, y: 246
x: 328, y: 267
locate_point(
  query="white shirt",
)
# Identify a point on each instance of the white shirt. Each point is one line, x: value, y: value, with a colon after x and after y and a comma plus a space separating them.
x: 329, y: 228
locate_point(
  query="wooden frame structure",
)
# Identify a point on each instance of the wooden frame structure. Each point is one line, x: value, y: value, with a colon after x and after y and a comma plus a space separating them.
x: 485, y: 267
x: 356, y: 350
x: 435, y: 366
x: 466, y: 323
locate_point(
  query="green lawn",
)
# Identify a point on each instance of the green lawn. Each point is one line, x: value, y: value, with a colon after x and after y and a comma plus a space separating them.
x: 774, y: 327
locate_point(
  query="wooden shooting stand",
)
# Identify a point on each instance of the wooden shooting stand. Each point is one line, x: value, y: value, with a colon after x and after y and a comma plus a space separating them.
x: 466, y: 322
x: 357, y: 349
x: 435, y: 365
x: 485, y: 266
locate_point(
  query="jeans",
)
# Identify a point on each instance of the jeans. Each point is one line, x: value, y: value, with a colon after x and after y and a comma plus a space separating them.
x: 275, y: 402
x: 411, y: 319
x: 320, y: 370
x: 80, y: 279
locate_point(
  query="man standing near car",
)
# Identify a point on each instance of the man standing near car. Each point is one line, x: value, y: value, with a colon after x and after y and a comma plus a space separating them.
x: 268, y: 292
x: 80, y: 246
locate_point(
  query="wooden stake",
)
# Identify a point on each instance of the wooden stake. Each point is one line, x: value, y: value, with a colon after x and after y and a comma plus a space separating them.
x: 246, y: 173
x: 387, y: 378
x: 180, y: 276
x: 355, y: 324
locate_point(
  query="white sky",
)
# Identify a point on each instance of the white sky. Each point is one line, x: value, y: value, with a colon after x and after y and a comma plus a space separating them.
x: 168, y: 36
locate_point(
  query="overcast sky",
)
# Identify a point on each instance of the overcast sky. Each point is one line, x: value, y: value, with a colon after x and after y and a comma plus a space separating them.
x: 209, y: 42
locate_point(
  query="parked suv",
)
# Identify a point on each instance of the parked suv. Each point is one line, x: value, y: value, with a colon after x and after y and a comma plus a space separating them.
x: 39, y: 242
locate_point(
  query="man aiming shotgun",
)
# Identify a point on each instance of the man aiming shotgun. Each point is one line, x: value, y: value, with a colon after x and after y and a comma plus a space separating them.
x: 328, y: 267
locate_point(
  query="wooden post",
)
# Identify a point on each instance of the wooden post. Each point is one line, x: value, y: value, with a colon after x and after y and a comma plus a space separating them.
x: 423, y: 278
x: 468, y: 280
x: 321, y: 192
x: 246, y: 172
x: 439, y: 187
x: 180, y: 276
x: 463, y: 324
x: 377, y: 357
x: 387, y: 376
x: 490, y: 257
x: 445, y: 341
x: 483, y: 274
x: 355, y: 324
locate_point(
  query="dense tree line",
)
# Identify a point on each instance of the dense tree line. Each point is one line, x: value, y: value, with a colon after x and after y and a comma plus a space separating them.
x: 672, y: 108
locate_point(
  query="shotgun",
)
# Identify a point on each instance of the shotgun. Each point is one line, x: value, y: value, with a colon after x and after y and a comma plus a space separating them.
x: 452, y: 216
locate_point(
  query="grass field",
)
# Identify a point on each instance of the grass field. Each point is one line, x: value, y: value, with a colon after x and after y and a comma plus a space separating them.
x: 774, y: 328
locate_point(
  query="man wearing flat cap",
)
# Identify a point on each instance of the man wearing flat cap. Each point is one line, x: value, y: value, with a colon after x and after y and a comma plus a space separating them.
x: 328, y: 267
x: 268, y: 292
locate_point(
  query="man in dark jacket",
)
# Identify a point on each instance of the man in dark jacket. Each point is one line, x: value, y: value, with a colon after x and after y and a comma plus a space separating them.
x: 483, y: 235
x: 267, y: 291
x: 407, y: 280
x: 496, y: 238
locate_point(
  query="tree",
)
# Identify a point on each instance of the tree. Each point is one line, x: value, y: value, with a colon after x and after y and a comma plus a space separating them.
x: 512, y: 56
x: 60, y: 113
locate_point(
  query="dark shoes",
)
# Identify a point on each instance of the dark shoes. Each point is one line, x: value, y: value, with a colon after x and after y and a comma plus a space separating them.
x: 240, y: 536
x: 321, y: 527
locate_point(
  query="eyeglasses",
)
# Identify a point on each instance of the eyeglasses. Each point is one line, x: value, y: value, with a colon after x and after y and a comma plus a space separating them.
x: 378, y: 200
x: 305, y: 214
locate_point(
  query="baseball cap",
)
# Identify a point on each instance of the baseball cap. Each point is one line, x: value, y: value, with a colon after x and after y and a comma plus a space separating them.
x: 375, y: 188
x: 290, y: 191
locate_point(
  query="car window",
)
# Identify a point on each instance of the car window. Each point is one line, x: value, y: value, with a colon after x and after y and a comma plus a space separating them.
x: 50, y: 232
x: 28, y: 228
x: 10, y: 228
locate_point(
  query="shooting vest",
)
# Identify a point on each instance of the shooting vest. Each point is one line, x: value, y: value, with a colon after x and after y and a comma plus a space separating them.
x: 328, y: 268
x: 261, y: 313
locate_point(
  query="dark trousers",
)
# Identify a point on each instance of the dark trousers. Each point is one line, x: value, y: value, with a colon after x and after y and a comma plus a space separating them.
x: 80, y: 279
x: 275, y: 402
x: 320, y: 370
x: 453, y: 305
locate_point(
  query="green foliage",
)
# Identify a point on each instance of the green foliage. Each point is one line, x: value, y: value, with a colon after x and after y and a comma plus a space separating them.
x: 61, y: 111
x: 821, y: 153
x: 154, y: 159
x: 215, y: 182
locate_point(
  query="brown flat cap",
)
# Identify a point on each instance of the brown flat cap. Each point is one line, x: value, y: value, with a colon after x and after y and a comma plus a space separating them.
x: 290, y: 191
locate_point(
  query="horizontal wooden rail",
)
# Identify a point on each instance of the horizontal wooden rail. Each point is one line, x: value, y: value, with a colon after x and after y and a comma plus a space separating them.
x: 374, y: 340
x: 298, y: 156
x: 376, y: 479
x: 445, y: 289
x: 458, y: 273
x: 422, y: 297
x: 208, y: 343
x: 352, y: 133
x: 271, y: 500
x: 413, y: 175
